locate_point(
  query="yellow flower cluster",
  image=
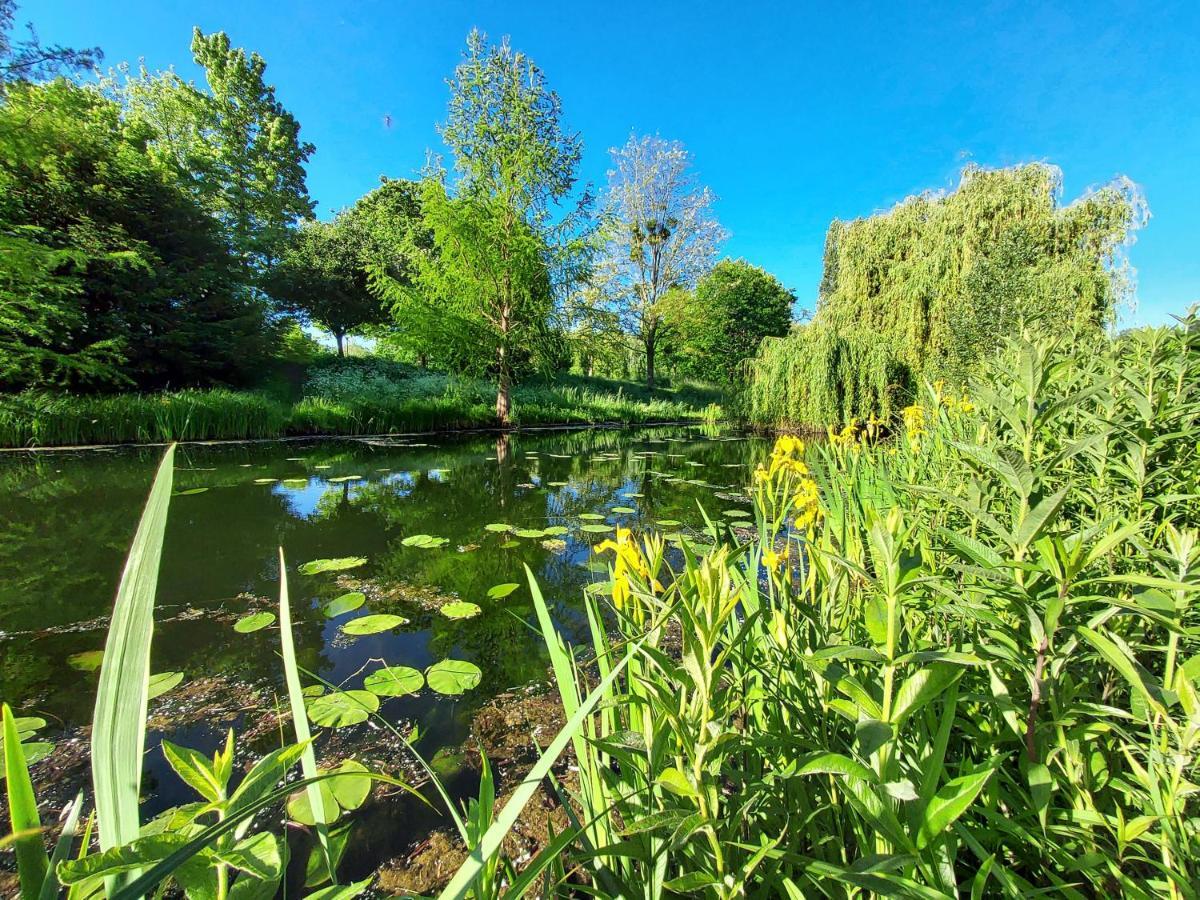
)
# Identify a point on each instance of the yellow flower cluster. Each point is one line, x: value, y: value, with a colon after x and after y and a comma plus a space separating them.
x: 630, y: 561
x: 914, y: 425
x: 785, y: 484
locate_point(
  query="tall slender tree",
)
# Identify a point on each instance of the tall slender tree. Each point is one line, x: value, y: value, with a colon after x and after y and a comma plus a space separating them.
x: 661, y: 233
x: 501, y: 249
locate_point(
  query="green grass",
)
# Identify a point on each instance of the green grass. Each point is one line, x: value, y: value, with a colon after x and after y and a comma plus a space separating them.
x: 352, y: 399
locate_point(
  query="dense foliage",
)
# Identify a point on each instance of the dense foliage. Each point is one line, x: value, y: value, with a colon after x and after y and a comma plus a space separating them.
x: 112, y: 274
x: 716, y: 328
x: 928, y: 290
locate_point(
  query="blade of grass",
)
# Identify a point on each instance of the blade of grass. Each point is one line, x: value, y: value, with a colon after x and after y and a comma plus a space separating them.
x: 308, y: 759
x: 32, y: 862
x: 119, y: 723
x: 62, y: 848
x: 489, y: 844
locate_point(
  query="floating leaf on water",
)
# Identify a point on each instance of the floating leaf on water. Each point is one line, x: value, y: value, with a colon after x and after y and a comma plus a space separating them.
x: 296, y: 482
x: 352, y: 788
x: 560, y: 455
x: 554, y: 530
x: 737, y: 514
x: 632, y: 494
x: 692, y: 462
x: 296, y: 458
x: 453, y: 676
x: 316, y: 566
x: 460, y: 609
x: 529, y: 533
x: 595, y: 528
x: 163, y: 682
x: 425, y: 541
x: 87, y: 661
x: 299, y: 806
x: 508, y: 545
x: 341, y: 478
x: 556, y: 483
x: 500, y: 591
x: 313, y: 690
x: 669, y: 523
x: 394, y: 681
x: 591, y: 517
x: 344, y: 604
x: 341, y: 708
x: 498, y: 527
x: 190, y: 491
x: 253, y: 622
x: 265, y: 480
x: 323, y: 467
x: 373, y: 624
x: 624, y: 510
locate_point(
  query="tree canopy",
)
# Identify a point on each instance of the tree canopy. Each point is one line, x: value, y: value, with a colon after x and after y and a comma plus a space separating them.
x: 714, y: 329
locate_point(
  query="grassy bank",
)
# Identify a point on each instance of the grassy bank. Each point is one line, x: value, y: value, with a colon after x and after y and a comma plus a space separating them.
x: 351, y: 398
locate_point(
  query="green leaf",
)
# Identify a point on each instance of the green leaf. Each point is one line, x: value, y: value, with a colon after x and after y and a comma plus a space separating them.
x: 301, y: 809
x: 394, y: 681
x: 86, y: 661
x: 950, y: 802
x: 498, y: 527
x: 317, y: 566
x: 351, y: 789
x: 1120, y: 658
x: 592, y: 517
x: 195, y: 769
x: 500, y: 591
x: 253, y: 622
x: 32, y: 861
x: 338, y: 709
x: 596, y: 529
x: 424, y: 541
x: 344, y: 604
x: 460, y: 609
x: 921, y: 687
x: 453, y: 676
x: 373, y: 624
x: 341, y: 892
x: 163, y: 682
x: 121, y: 859
x: 119, y: 720
x: 672, y: 780
x: 623, y: 510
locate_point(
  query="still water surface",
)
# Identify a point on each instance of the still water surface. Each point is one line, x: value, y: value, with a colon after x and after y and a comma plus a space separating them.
x: 66, y: 520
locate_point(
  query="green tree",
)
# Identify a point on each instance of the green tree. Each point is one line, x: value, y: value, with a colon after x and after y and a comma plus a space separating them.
x: 322, y: 277
x: 112, y: 273
x: 234, y: 145
x: 713, y: 329
x: 499, y: 255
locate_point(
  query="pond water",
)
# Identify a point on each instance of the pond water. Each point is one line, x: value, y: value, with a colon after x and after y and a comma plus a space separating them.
x: 66, y: 520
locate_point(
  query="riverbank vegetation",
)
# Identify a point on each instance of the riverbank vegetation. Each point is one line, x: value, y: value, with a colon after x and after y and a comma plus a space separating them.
x: 962, y: 660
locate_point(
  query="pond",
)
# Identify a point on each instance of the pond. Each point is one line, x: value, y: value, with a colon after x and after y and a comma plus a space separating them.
x: 418, y: 510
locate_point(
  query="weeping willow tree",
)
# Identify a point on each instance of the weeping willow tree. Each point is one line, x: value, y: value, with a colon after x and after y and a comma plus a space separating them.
x: 928, y: 289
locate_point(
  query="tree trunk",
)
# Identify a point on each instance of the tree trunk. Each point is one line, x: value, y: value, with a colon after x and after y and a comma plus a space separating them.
x: 340, y: 336
x: 651, y: 346
x: 503, y: 390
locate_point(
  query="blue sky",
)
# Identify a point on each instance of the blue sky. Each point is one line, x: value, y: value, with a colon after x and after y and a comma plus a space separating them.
x: 796, y: 113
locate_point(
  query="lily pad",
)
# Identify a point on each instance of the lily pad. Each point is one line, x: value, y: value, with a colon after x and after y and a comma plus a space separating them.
x: 669, y: 523
x: 425, y: 541
x: 344, y: 604
x: 460, y: 609
x: 556, y: 483
x: 342, y: 478
x: 300, y: 809
x: 265, y: 480
x: 593, y: 528
x: 317, y: 566
x: 352, y: 788
x: 508, y: 545
x: 313, y: 690
x: 737, y: 514
x: 591, y: 517
x: 529, y: 533
x: 500, y: 591
x: 373, y: 624
x: 296, y: 482
x: 498, y: 527
x: 342, y: 708
x: 624, y: 510
x: 555, y: 530
x: 394, y: 681
x: 190, y: 491
x: 253, y: 622
x: 453, y: 676
x: 163, y: 682
x: 87, y: 661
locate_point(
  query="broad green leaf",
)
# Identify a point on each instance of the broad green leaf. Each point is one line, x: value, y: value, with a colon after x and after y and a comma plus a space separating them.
x: 498, y: 527
x: 951, y: 801
x: 671, y: 779
x: 26, y: 824
x: 460, y: 609
x: 452, y: 676
x: 596, y: 529
x: 196, y: 770
x: 317, y: 566
x: 500, y: 591
x: 394, y: 681
x: 373, y: 624
x: 119, y: 720
x: 300, y: 806
x: 345, y: 603
x: 921, y: 687
x: 163, y: 682
x: 338, y: 709
x: 351, y: 789
x: 86, y: 661
x: 424, y: 541
x: 591, y: 517
x: 253, y: 622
